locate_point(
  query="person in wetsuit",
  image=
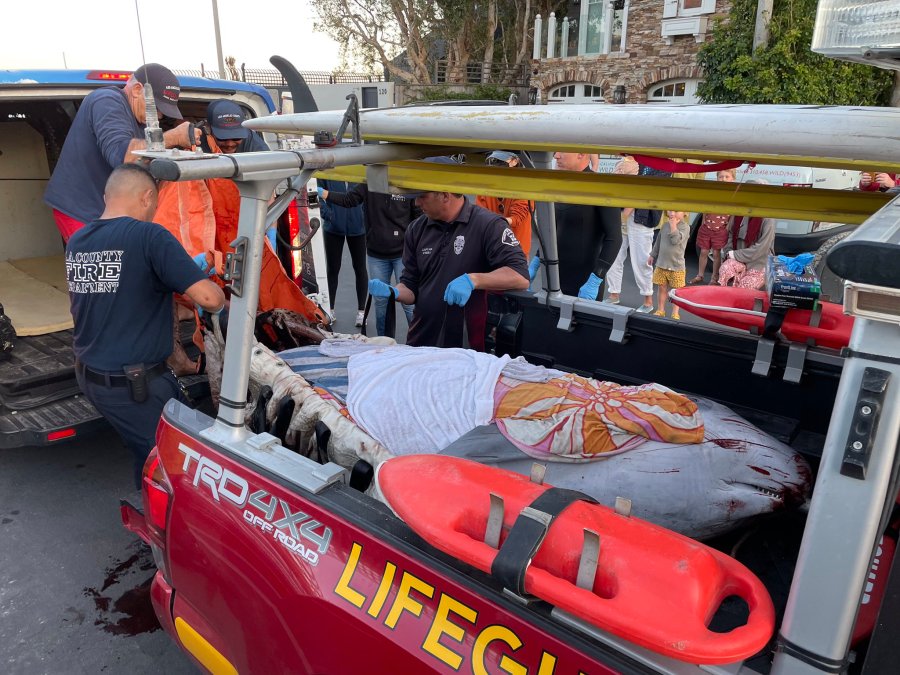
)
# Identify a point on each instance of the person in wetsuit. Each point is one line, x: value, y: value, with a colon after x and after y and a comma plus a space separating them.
x: 588, y: 238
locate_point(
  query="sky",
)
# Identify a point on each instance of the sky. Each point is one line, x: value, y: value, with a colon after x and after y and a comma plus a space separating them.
x: 180, y: 34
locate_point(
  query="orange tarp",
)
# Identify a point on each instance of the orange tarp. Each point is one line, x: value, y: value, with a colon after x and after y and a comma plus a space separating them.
x: 203, y: 216
x: 276, y: 289
x: 186, y: 210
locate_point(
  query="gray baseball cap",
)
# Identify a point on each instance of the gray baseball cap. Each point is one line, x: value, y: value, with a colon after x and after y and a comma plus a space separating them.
x: 502, y: 155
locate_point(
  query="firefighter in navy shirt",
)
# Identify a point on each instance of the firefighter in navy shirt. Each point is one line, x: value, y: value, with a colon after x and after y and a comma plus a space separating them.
x: 454, y: 250
x: 122, y: 271
x: 108, y: 128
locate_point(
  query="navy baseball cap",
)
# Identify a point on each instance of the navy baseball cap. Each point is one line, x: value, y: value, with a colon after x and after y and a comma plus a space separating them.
x: 225, y: 118
x: 166, y: 89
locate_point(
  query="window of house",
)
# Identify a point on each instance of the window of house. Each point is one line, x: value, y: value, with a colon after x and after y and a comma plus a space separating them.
x: 676, y: 8
x: 593, y: 21
x: 595, y: 27
x: 566, y: 91
x: 673, y: 91
x: 576, y: 93
x: 619, y: 14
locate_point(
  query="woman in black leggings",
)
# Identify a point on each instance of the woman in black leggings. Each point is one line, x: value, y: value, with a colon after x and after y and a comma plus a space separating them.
x: 339, y: 225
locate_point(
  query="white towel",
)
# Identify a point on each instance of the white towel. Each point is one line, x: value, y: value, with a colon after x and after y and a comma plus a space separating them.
x: 421, y: 399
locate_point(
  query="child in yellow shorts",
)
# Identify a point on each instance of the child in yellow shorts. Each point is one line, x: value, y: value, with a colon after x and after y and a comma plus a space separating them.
x: 667, y: 259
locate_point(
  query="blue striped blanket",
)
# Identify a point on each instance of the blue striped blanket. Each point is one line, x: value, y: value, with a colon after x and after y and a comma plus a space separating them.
x: 328, y: 372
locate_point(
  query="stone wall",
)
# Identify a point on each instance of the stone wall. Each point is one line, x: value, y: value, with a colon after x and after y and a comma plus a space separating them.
x: 647, y: 58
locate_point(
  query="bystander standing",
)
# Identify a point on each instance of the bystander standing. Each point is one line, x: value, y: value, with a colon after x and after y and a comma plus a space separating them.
x: 668, y: 257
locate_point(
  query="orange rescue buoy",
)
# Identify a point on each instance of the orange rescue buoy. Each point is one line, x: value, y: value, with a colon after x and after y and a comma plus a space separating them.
x: 649, y: 585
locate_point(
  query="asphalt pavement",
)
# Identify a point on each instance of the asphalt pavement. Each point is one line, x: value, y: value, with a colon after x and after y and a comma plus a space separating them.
x: 73, y: 582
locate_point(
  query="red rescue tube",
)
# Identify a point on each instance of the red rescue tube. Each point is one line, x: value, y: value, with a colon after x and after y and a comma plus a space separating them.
x: 652, y: 586
x: 735, y: 307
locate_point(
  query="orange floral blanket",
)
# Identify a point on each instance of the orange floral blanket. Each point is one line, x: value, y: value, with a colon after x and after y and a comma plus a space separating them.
x: 577, y: 418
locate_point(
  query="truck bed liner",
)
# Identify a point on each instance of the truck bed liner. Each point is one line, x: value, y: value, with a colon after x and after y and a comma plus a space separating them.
x: 40, y: 369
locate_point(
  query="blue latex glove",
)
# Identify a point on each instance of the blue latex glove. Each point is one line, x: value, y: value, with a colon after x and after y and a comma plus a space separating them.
x: 534, y: 267
x: 589, y: 290
x: 272, y: 236
x: 379, y: 289
x: 201, y: 311
x: 200, y: 261
x: 320, y: 191
x: 459, y: 290
x: 797, y: 264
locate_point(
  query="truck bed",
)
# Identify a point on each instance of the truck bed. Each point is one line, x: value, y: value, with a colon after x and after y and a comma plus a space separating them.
x: 315, y: 604
x: 40, y: 369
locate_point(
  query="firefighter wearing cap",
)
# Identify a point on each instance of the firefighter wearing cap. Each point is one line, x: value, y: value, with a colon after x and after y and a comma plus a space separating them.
x: 226, y: 134
x: 108, y: 128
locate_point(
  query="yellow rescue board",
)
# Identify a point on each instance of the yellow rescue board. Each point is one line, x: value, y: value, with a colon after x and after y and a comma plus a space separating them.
x: 702, y: 196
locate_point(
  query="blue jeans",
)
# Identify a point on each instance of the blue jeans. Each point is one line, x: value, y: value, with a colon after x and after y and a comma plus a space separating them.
x: 383, y: 269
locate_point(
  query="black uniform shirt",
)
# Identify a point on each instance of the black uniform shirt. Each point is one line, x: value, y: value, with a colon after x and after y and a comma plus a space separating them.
x: 435, y: 253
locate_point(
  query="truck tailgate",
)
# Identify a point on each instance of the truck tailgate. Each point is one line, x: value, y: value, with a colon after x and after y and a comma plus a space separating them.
x: 48, y: 423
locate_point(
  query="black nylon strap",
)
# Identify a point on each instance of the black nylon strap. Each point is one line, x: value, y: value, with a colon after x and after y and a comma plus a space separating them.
x: 390, y: 317
x: 773, y: 321
x: 527, y: 534
x: 323, y: 435
x: 453, y: 329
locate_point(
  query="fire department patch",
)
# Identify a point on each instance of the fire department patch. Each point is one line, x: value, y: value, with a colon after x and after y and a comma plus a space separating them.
x: 458, y: 244
x: 509, y: 238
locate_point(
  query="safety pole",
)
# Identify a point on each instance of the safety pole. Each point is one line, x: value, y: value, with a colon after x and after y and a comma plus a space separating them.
x: 242, y: 311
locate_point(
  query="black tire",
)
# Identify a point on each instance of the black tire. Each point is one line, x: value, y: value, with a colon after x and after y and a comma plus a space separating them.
x: 832, y: 285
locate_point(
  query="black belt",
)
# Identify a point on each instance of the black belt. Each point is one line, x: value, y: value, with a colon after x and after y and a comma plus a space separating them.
x: 107, y: 380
